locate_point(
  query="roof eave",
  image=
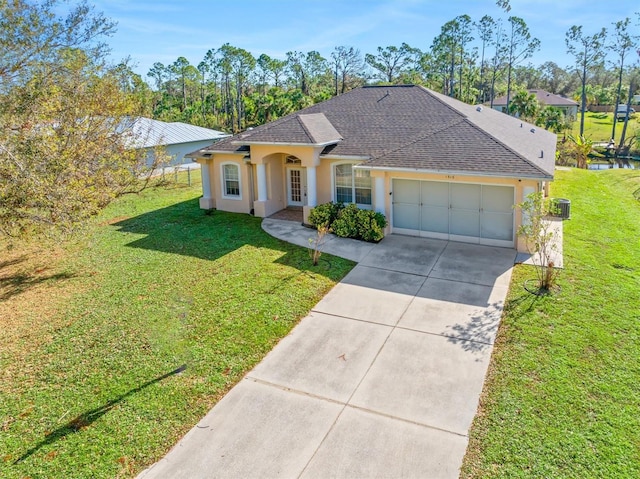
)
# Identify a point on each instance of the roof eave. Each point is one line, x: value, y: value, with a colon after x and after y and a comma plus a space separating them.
x: 210, y: 153
x: 283, y: 143
x: 452, y: 172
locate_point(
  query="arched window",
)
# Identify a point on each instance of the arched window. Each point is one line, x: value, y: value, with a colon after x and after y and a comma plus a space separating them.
x: 352, y: 185
x: 231, y: 184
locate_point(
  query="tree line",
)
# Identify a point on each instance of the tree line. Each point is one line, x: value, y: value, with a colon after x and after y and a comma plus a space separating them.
x: 474, y: 61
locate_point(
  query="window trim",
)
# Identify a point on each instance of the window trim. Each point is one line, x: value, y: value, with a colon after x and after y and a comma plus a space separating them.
x: 353, y: 185
x: 224, y: 183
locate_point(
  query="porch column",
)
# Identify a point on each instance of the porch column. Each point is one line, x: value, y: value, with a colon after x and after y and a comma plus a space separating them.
x: 206, y: 202
x: 262, y: 181
x: 379, y: 202
x: 312, y: 190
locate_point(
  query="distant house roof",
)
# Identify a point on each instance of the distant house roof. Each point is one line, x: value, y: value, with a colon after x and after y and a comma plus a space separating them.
x: 410, y: 127
x: 549, y: 99
x: 148, y: 133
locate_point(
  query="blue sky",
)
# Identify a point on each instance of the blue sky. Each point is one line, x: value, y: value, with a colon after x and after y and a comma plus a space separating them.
x: 162, y: 30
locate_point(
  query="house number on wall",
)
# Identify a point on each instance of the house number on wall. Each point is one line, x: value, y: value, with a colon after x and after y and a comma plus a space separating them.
x: 451, y: 177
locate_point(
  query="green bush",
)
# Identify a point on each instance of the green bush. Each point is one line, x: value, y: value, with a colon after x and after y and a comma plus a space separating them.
x: 346, y: 225
x: 371, y: 225
x: 325, y: 214
x: 349, y: 221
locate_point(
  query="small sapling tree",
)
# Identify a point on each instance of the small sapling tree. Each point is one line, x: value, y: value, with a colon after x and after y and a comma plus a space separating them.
x: 537, y: 230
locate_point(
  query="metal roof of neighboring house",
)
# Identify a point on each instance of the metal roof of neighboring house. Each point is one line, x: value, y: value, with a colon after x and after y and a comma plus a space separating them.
x: 411, y: 127
x: 148, y: 133
x: 550, y: 99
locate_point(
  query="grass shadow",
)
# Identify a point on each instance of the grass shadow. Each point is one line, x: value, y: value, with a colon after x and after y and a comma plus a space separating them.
x: 12, y: 262
x: 185, y: 229
x: 87, y: 418
x: 15, y: 284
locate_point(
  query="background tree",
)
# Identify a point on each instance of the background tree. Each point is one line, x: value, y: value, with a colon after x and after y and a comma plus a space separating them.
x: 450, y: 47
x: 555, y: 79
x: 525, y: 105
x: 552, y: 119
x: 582, y: 147
x: 499, y: 58
x: 520, y: 46
x: 158, y: 73
x: 633, y: 81
x: 64, y: 145
x: 180, y: 69
x: 528, y: 77
x: 347, y: 65
x: 587, y: 51
x: 486, y: 27
x: 623, y: 44
x: 391, y: 61
x: 296, y: 67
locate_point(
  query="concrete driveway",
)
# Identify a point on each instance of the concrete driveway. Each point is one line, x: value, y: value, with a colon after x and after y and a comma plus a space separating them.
x: 382, y: 379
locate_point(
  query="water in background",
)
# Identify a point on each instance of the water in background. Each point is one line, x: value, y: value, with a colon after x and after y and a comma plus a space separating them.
x: 627, y: 164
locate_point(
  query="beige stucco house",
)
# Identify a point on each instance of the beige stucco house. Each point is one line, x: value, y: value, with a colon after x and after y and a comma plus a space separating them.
x: 436, y: 167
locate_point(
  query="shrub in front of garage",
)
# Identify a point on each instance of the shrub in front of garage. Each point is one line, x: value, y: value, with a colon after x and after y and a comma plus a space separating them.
x: 349, y: 221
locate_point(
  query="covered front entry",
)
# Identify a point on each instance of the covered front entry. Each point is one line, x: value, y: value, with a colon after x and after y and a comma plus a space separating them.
x: 469, y: 212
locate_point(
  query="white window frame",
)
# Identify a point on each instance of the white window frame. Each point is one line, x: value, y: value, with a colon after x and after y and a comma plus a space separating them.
x: 353, y: 185
x: 223, y: 181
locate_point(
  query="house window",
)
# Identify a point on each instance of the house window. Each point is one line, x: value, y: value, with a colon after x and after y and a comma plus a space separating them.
x: 352, y: 186
x: 231, y: 181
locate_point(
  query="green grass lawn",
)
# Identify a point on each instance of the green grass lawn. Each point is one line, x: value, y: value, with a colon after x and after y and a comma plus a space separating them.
x: 562, y: 397
x: 95, y: 332
x: 599, y: 126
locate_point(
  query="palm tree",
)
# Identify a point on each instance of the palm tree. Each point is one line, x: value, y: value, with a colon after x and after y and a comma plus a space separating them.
x: 581, y: 147
x: 525, y: 105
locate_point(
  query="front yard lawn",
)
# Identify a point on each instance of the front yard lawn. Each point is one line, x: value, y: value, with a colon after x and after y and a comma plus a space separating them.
x: 115, y: 344
x: 562, y: 396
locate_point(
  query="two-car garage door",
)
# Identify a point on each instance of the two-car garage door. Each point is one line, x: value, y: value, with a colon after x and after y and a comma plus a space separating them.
x: 457, y: 211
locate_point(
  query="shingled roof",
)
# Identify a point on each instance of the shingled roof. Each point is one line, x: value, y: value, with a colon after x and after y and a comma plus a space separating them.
x: 410, y: 127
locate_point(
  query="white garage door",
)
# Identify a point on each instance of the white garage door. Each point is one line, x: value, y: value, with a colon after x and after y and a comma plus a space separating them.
x: 457, y: 211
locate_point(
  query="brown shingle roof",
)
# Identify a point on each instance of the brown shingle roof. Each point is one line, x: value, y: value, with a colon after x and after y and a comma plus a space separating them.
x: 411, y: 127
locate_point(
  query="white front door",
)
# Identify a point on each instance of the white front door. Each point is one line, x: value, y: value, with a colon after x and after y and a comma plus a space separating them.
x: 295, y: 187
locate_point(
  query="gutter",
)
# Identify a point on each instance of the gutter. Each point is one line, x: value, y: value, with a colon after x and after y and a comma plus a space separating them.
x: 450, y: 172
x: 210, y: 153
x: 281, y: 143
x: 345, y: 157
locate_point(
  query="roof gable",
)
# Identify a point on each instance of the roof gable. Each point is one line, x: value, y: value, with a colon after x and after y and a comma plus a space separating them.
x: 319, y: 128
x: 299, y: 129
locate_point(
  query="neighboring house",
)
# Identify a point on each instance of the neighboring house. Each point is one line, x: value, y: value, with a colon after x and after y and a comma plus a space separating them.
x: 176, y: 139
x: 436, y: 167
x: 567, y: 106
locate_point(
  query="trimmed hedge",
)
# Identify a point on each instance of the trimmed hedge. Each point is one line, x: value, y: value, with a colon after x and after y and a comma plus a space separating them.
x: 349, y: 221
